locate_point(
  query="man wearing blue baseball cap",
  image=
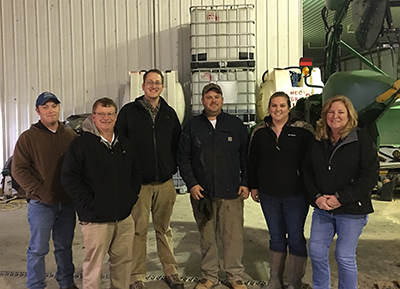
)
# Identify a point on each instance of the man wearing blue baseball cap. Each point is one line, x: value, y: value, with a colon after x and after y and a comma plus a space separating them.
x: 44, y: 97
x: 36, y: 166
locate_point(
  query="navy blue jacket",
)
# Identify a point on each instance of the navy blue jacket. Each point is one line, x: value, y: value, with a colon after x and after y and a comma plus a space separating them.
x: 216, y: 159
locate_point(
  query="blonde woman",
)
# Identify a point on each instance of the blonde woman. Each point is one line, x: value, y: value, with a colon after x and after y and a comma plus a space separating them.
x: 340, y: 170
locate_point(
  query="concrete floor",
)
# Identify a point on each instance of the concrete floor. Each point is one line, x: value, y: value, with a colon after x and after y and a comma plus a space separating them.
x: 378, y: 253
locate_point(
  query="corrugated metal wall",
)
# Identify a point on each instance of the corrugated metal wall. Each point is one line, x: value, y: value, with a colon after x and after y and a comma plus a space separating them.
x: 83, y: 49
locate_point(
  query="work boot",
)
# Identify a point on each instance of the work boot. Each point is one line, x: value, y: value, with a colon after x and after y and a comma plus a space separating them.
x: 238, y: 284
x: 297, y: 269
x: 277, y: 266
x: 204, y: 284
x: 173, y: 281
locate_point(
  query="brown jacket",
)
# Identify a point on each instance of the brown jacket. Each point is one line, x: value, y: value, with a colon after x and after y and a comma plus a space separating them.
x: 37, y: 161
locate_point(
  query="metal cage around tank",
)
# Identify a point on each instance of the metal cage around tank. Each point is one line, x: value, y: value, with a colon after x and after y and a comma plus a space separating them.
x: 223, y: 52
x: 222, y: 32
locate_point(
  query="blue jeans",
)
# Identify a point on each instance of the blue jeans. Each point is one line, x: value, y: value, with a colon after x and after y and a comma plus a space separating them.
x: 285, y: 219
x: 348, y: 229
x: 43, y: 220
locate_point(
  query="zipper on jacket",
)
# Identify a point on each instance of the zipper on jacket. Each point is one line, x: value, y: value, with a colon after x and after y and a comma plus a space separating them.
x: 276, y: 138
x: 153, y: 127
x: 155, y: 149
x: 277, y: 144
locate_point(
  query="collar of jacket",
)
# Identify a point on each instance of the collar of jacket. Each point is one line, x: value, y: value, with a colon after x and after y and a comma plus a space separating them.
x: 41, y: 126
x: 88, y: 126
x: 293, y: 117
x: 204, y: 116
x: 296, y: 119
x: 351, y: 137
x: 137, y: 102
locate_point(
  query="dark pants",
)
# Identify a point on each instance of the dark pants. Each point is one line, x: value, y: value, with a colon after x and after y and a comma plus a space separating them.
x: 285, y: 219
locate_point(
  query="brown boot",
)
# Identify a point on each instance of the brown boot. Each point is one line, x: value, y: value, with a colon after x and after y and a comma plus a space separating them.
x: 297, y: 269
x: 277, y: 266
x: 204, y: 284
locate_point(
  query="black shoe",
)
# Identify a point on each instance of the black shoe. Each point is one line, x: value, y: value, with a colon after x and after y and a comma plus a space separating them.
x: 174, y: 282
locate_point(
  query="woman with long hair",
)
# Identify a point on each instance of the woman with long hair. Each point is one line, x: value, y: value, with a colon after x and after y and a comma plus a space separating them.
x: 340, y: 170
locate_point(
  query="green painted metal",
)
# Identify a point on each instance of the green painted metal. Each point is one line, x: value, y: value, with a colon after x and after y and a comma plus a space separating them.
x: 362, y: 58
x: 335, y: 5
x: 389, y: 127
x: 332, y: 50
x: 362, y: 87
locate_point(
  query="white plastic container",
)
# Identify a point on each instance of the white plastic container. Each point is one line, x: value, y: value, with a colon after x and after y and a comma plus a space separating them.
x: 279, y: 80
x: 7, y: 184
x: 225, y: 32
x: 238, y: 87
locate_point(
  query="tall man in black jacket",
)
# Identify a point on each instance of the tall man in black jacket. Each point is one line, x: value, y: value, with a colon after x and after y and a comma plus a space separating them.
x: 101, y: 172
x: 155, y: 129
x: 212, y: 159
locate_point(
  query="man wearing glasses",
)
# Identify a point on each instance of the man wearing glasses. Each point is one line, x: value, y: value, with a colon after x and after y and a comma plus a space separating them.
x: 101, y: 172
x: 155, y: 129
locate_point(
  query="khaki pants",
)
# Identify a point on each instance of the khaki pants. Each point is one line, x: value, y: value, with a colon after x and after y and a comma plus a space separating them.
x: 114, y: 238
x: 227, y: 220
x: 158, y: 198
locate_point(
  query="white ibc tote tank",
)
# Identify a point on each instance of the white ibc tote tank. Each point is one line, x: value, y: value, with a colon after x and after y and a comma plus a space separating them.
x: 279, y: 80
x: 222, y: 32
x: 172, y: 93
x: 238, y: 87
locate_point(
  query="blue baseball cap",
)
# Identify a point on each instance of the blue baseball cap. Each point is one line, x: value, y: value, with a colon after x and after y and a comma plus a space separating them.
x: 45, y: 97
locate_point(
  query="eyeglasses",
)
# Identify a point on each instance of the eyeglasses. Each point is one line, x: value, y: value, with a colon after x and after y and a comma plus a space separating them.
x: 151, y: 83
x: 103, y: 114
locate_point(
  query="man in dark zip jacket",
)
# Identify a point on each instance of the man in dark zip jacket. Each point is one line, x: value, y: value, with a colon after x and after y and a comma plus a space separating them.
x: 212, y: 159
x: 154, y: 128
x: 101, y: 172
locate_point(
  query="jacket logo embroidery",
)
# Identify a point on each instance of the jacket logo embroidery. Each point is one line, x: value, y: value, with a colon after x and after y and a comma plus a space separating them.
x: 292, y: 134
x: 230, y: 139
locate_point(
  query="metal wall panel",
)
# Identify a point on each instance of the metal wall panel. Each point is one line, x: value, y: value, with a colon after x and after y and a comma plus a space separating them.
x: 83, y: 49
x: 80, y: 50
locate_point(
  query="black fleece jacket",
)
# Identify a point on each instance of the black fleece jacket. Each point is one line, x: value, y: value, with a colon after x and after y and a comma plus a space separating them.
x: 350, y: 172
x: 104, y: 181
x: 156, y: 143
x: 275, y: 163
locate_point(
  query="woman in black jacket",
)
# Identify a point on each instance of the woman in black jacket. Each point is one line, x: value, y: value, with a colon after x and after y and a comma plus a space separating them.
x: 276, y: 154
x: 340, y: 170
